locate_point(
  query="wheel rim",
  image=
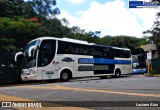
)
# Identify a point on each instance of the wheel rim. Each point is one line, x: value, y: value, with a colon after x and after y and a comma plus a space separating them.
x: 117, y: 73
x: 65, y: 76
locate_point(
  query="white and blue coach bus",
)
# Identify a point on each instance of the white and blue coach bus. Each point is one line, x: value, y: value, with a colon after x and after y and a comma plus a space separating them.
x: 48, y: 58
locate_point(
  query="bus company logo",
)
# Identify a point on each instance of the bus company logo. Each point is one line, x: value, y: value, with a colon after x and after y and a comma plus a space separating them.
x: 67, y: 59
x: 6, y: 104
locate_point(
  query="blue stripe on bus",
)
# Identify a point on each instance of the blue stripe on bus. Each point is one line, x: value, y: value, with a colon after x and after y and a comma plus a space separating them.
x: 102, y: 61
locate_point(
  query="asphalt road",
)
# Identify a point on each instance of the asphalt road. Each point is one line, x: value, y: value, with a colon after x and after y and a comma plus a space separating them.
x: 127, y: 92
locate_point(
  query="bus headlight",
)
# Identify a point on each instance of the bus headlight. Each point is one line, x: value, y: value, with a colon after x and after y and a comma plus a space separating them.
x: 135, y: 65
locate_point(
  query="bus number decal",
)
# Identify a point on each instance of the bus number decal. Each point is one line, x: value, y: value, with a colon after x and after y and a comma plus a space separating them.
x: 49, y: 73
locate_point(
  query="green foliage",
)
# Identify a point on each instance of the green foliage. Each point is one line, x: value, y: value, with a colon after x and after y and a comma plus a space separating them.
x: 28, y: 8
x: 12, y: 8
x: 5, y: 40
x: 122, y: 41
x: 44, y: 7
x: 20, y: 22
x: 52, y: 27
x: 8, y: 44
x: 20, y: 30
x: 3, y: 8
x: 10, y: 47
x: 154, y: 31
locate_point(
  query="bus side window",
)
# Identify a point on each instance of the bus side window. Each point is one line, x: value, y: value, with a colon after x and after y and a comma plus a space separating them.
x: 116, y: 53
x: 70, y: 49
x: 110, y: 53
x: 106, y: 53
x: 60, y: 48
x: 128, y: 55
x: 122, y: 53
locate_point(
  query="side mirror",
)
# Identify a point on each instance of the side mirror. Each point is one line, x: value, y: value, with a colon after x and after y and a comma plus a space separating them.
x: 30, y: 50
x: 17, y: 54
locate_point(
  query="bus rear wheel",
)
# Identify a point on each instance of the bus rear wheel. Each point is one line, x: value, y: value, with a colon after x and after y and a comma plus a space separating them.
x: 65, y: 76
x: 117, y: 73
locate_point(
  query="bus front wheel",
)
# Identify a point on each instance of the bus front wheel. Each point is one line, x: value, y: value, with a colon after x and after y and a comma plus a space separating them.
x: 65, y: 76
x: 117, y: 73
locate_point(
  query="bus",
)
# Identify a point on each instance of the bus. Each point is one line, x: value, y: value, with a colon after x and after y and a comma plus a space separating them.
x: 48, y: 58
x: 138, y: 64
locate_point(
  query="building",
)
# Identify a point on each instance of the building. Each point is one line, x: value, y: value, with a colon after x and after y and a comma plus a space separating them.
x: 152, y: 48
x: 155, y: 55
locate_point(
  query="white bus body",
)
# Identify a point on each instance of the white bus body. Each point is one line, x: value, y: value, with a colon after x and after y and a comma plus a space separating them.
x: 48, y: 58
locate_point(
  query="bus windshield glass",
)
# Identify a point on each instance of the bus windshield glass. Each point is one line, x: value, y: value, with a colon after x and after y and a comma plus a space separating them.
x: 29, y: 62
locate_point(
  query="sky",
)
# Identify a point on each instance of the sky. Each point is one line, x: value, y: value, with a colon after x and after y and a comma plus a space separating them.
x: 111, y: 17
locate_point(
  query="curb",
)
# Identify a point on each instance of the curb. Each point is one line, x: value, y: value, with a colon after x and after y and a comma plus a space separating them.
x: 156, y: 75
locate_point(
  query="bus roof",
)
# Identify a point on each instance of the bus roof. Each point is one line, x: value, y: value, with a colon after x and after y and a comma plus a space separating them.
x: 76, y: 41
x: 63, y: 39
x: 121, y: 48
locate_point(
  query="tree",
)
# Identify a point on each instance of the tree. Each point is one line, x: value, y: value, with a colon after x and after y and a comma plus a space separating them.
x: 20, y: 22
x: 22, y: 30
x: 65, y: 21
x: 14, y: 35
x: 3, y: 8
x: 28, y: 9
x: 52, y: 27
x: 43, y: 8
x: 154, y: 32
x: 17, y: 8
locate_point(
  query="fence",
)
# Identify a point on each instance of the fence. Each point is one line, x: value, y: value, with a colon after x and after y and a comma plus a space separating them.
x: 156, y: 65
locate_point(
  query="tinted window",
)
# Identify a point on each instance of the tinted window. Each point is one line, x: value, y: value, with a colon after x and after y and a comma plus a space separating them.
x: 81, y: 49
x: 73, y: 48
x: 46, y: 52
x: 128, y: 54
x: 122, y: 53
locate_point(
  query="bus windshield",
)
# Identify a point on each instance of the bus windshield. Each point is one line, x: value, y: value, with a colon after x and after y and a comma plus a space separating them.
x: 29, y: 62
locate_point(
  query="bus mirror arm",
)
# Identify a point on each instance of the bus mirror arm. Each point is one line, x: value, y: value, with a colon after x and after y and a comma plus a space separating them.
x: 17, y: 54
x: 30, y: 50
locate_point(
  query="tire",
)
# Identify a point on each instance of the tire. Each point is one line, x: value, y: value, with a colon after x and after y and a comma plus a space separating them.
x: 65, y: 76
x: 117, y: 73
